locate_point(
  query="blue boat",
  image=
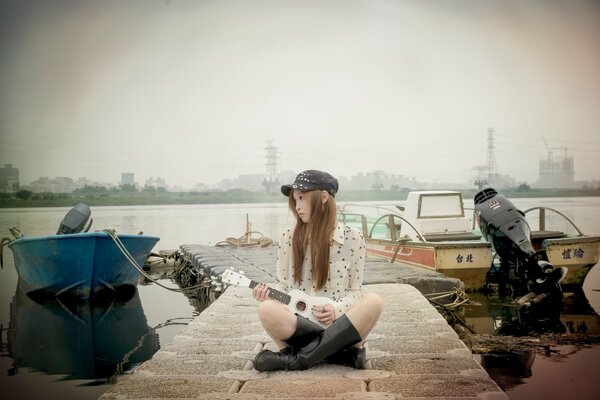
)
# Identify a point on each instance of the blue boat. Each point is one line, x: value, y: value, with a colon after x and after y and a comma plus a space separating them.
x: 79, y: 263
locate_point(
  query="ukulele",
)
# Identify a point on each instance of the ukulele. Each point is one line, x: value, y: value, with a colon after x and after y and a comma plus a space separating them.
x: 297, y: 301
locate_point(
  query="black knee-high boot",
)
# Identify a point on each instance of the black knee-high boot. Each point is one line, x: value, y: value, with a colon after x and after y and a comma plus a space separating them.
x: 338, y: 336
x: 306, y: 331
x: 350, y: 357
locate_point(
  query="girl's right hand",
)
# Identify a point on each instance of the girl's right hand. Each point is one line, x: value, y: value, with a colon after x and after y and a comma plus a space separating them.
x: 261, y: 292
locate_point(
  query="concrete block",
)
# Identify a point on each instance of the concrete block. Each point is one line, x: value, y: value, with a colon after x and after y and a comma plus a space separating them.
x: 424, y: 344
x: 192, y: 365
x: 303, y: 387
x: 199, y: 346
x: 443, y: 386
x: 425, y: 364
x: 163, y: 387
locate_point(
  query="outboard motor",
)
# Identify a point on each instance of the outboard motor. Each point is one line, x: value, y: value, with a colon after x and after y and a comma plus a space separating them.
x: 503, y: 225
x: 75, y: 220
x: 507, y: 230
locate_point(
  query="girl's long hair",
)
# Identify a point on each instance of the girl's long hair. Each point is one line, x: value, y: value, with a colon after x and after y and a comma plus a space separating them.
x: 319, y: 230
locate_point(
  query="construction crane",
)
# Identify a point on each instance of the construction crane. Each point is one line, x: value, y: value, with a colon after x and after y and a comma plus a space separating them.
x: 551, y: 149
x: 565, y: 148
x: 547, y: 148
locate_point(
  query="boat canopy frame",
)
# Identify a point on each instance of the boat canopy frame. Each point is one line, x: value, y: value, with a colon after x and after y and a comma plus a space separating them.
x: 369, y: 232
x: 542, y: 218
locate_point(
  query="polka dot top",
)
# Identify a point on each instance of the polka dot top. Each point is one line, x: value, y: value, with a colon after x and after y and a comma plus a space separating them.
x: 346, y: 268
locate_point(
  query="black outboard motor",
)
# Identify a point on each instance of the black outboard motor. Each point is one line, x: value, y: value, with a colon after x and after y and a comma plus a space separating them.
x: 507, y: 230
x: 75, y: 220
x: 503, y: 225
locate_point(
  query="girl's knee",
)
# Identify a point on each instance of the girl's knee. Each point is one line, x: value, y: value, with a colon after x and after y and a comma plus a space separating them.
x: 374, y: 301
x: 267, y: 309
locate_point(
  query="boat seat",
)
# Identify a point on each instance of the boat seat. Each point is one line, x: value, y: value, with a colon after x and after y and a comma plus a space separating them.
x: 541, y: 235
x: 439, y: 237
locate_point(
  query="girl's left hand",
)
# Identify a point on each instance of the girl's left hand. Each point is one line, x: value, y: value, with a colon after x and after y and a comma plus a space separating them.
x: 324, y: 313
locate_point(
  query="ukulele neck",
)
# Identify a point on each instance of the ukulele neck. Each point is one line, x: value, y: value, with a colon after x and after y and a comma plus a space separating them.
x: 274, y: 294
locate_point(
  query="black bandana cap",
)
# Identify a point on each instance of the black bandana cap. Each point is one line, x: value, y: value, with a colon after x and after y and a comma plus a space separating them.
x: 312, y: 180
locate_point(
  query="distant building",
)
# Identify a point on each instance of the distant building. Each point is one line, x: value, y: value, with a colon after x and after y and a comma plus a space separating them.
x: 60, y: 184
x: 9, y: 179
x: 127, y: 178
x: 156, y: 183
x: 285, y: 177
x: 82, y: 182
x: 270, y: 182
x: 556, y: 172
x: 198, y: 187
x: 500, y: 181
x: 250, y: 182
x: 376, y: 180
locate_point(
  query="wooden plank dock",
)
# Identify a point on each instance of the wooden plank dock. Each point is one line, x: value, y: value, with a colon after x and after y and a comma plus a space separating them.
x: 412, y: 352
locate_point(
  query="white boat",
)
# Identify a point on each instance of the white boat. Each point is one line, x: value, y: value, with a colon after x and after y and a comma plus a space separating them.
x: 433, y: 231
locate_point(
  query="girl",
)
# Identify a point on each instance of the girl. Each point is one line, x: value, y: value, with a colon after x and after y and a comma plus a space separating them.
x: 324, y: 258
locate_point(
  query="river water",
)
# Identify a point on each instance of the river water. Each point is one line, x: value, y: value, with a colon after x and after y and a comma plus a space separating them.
x: 73, y: 351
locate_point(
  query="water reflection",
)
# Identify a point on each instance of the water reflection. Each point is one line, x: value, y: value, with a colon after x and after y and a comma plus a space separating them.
x: 510, y: 361
x: 496, y: 315
x: 81, y: 340
x: 509, y: 370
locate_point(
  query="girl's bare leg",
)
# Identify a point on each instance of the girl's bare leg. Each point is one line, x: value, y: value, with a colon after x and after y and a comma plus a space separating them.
x: 278, y: 321
x: 364, y: 314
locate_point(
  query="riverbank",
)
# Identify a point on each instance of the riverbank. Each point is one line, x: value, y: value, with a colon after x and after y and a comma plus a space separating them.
x: 243, y: 197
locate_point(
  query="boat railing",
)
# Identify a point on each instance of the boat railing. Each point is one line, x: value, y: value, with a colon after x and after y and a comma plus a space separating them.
x: 367, y: 206
x: 473, y: 219
x: 542, y: 218
x: 399, y: 240
x: 368, y: 232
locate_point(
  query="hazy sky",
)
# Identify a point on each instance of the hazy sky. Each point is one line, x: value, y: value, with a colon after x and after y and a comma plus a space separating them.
x: 192, y: 90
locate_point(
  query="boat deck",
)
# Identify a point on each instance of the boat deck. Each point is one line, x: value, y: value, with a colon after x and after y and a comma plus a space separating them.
x: 412, y: 352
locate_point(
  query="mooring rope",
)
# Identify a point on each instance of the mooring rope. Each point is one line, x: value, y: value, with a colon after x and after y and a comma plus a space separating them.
x: 16, y: 232
x: 113, y: 234
x: 450, y: 309
x: 3, y: 243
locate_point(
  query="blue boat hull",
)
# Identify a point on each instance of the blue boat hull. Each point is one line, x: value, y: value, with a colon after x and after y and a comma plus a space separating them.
x: 80, y: 265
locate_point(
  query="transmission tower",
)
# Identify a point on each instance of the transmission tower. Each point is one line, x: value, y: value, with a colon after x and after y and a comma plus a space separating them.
x: 491, y: 157
x: 271, y: 182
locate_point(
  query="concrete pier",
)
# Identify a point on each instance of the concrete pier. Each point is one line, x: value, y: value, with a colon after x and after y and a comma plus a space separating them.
x: 412, y: 352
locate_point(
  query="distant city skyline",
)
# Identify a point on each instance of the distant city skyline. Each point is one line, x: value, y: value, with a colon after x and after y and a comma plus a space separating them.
x: 549, y: 173
x: 469, y: 175
x: 361, y: 181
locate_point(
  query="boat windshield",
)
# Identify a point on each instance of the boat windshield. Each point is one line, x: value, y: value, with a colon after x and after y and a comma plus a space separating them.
x: 386, y: 227
x: 436, y: 206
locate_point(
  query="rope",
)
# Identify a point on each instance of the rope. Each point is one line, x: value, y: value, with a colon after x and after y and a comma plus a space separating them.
x: 246, y: 239
x: 16, y: 232
x: 460, y: 299
x: 113, y: 234
x: 121, y: 364
x: 3, y: 243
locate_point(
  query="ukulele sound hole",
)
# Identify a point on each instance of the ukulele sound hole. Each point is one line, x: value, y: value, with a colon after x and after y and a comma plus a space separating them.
x: 301, y: 306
